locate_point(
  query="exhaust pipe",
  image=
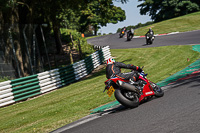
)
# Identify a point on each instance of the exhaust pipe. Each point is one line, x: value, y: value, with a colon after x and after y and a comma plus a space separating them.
x: 127, y: 86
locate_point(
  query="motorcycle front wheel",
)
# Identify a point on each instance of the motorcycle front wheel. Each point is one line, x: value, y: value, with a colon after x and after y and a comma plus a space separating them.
x: 157, y: 90
x: 129, y: 37
x: 127, y: 98
x: 147, y: 41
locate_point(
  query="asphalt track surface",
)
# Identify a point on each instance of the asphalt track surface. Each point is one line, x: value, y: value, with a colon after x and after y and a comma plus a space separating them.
x: 121, y: 43
x: 178, y: 111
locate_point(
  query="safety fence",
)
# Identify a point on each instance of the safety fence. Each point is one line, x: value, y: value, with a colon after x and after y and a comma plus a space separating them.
x: 20, y: 89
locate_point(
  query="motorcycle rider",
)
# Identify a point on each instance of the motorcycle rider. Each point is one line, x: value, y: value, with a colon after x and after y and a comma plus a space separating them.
x: 150, y: 32
x: 130, y: 34
x: 124, y: 29
x: 131, y: 31
x: 113, y: 69
x: 122, y: 32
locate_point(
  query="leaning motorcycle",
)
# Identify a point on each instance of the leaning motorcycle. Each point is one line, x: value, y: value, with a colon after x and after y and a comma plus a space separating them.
x: 131, y: 94
x: 122, y: 33
x: 130, y: 34
x: 149, y: 39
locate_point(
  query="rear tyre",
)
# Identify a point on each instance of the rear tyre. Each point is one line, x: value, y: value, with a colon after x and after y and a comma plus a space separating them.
x: 127, y: 98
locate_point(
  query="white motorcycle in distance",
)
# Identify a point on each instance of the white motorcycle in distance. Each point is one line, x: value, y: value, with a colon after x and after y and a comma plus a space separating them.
x: 130, y: 34
x: 149, y: 38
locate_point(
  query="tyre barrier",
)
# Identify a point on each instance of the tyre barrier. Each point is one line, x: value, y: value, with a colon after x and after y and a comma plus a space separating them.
x: 16, y: 90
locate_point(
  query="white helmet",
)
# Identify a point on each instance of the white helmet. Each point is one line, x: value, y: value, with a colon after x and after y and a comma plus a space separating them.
x: 110, y: 61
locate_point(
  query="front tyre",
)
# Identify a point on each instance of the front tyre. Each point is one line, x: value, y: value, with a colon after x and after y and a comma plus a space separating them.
x: 157, y: 90
x: 150, y: 41
x: 127, y: 98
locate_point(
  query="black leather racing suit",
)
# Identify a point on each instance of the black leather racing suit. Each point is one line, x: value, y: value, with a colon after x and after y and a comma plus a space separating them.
x: 150, y: 32
x: 114, y: 70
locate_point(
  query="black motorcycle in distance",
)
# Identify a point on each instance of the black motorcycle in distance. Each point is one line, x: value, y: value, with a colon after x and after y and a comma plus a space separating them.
x: 130, y: 34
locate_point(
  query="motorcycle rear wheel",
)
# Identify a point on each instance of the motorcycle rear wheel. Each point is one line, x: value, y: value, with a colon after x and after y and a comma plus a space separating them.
x: 127, y: 98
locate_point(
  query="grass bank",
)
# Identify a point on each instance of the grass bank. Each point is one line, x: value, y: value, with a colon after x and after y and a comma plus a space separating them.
x: 182, y: 24
x: 70, y: 103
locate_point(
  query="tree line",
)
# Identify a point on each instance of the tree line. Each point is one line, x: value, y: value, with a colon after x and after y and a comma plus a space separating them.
x: 76, y: 14
x: 135, y: 26
x: 160, y: 10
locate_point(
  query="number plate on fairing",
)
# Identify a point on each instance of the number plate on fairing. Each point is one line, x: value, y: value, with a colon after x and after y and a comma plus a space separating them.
x: 110, y: 91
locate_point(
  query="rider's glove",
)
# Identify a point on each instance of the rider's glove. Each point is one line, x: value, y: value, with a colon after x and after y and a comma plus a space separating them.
x: 139, y: 69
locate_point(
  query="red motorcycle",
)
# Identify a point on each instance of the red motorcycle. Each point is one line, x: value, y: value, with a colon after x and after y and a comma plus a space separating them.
x: 131, y: 94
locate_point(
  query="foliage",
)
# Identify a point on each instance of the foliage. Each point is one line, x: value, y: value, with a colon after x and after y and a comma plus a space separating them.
x: 122, y: 1
x: 2, y: 79
x: 65, y: 37
x: 78, y: 14
x: 99, y: 13
x: 165, y: 9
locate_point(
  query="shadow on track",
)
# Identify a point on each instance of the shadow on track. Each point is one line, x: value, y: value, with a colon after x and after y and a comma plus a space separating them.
x: 121, y: 108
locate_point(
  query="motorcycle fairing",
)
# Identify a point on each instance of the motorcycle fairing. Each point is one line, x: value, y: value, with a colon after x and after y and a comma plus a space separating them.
x: 147, y: 89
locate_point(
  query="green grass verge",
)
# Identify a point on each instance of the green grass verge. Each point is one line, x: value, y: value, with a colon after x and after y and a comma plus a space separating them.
x: 184, y: 23
x: 70, y: 103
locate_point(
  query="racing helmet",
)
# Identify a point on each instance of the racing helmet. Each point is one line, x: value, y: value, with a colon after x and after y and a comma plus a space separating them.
x: 110, y: 61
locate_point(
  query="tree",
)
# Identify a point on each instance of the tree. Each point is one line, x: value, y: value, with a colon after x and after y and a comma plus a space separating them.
x: 122, y: 1
x: 56, y: 14
x: 9, y: 17
x: 165, y: 9
x: 99, y: 13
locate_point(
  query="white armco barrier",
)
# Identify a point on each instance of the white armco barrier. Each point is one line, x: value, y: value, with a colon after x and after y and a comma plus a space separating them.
x: 20, y: 89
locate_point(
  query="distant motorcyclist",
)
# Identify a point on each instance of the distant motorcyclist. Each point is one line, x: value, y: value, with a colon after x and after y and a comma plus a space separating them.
x: 122, y: 32
x: 124, y: 29
x: 113, y: 69
x: 151, y: 32
x: 132, y: 31
x: 149, y: 36
x: 130, y: 34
